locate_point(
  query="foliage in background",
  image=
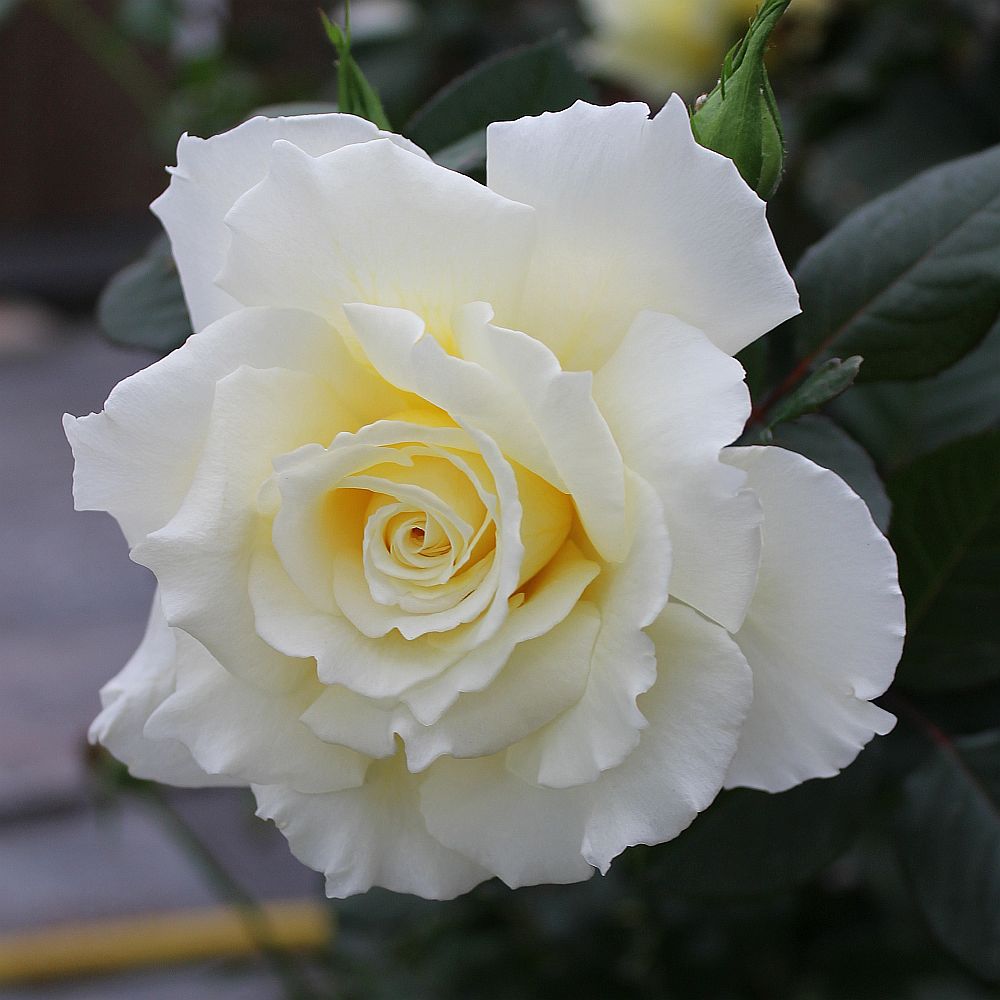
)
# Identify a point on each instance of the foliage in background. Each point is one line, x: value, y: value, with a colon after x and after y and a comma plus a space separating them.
x: 837, y: 888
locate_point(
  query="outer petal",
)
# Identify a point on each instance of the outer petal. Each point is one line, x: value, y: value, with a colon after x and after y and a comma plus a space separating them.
x: 372, y: 223
x: 522, y: 833
x: 635, y: 211
x: 233, y: 728
x: 695, y: 708
x: 673, y: 401
x: 824, y: 631
x: 372, y: 835
x: 529, y: 834
x: 202, y: 557
x: 130, y: 698
x: 210, y: 176
x: 603, y: 727
x: 136, y: 460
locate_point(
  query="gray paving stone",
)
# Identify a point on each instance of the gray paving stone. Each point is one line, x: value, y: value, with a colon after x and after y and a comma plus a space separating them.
x: 72, y: 605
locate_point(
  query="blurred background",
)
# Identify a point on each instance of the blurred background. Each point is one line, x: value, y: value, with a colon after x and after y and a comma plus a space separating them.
x: 93, y: 96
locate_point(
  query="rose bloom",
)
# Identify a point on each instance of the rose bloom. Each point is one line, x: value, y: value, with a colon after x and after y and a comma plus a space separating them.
x: 455, y: 569
x: 655, y: 46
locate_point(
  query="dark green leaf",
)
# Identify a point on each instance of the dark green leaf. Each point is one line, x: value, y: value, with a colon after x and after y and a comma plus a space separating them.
x: 526, y: 81
x: 751, y: 842
x: 466, y: 156
x: 740, y: 118
x: 826, y: 444
x: 948, y: 839
x: 828, y: 381
x: 946, y: 532
x: 143, y: 305
x: 897, y: 422
x: 912, y: 280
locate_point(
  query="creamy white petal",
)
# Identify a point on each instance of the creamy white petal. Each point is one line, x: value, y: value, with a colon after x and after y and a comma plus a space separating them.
x: 512, y: 388
x: 824, y: 630
x: 308, y: 476
x: 374, y: 668
x: 528, y: 834
x: 695, y: 709
x: 128, y: 700
x: 202, y: 557
x: 210, y: 176
x: 601, y: 729
x: 633, y: 213
x: 235, y: 729
x: 370, y: 836
x: 342, y: 716
x: 549, y: 598
x: 396, y: 343
x: 137, y: 458
x: 524, y: 834
x: 673, y: 400
x: 542, y: 678
x: 561, y: 405
x: 373, y: 223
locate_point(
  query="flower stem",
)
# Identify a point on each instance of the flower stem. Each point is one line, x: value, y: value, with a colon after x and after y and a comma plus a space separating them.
x: 229, y: 890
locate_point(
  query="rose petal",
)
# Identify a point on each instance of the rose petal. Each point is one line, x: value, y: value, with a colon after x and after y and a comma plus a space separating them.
x: 512, y: 388
x: 824, y: 631
x: 603, y: 728
x: 202, y: 557
x: 695, y: 709
x: 211, y: 175
x: 524, y: 834
x: 372, y: 835
x: 542, y: 678
x: 633, y: 213
x: 528, y: 834
x: 136, y: 460
x: 673, y: 400
x: 373, y: 223
x: 549, y: 598
x: 235, y: 729
x: 129, y: 699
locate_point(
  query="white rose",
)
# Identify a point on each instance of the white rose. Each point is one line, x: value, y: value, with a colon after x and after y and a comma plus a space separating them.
x: 657, y: 46
x: 455, y: 568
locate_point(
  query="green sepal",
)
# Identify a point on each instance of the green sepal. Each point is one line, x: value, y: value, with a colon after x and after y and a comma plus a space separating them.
x: 827, y: 382
x: 740, y: 117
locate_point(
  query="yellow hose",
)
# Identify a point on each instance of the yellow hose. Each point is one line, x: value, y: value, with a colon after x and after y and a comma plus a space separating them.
x: 100, y: 946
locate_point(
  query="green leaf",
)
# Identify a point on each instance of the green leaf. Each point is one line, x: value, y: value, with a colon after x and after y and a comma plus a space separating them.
x: 750, y: 842
x: 828, y: 381
x: 526, y: 81
x: 911, y: 281
x: 740, y: 118
x: 355, y: 95
x: 897, y: 422
x: 821, y: 440
x: 948, y: 840
x: 143, y: 305
x: 946, y: 533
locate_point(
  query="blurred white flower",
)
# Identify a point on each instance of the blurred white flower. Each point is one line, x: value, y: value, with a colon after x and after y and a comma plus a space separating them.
x: 658, y: 46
